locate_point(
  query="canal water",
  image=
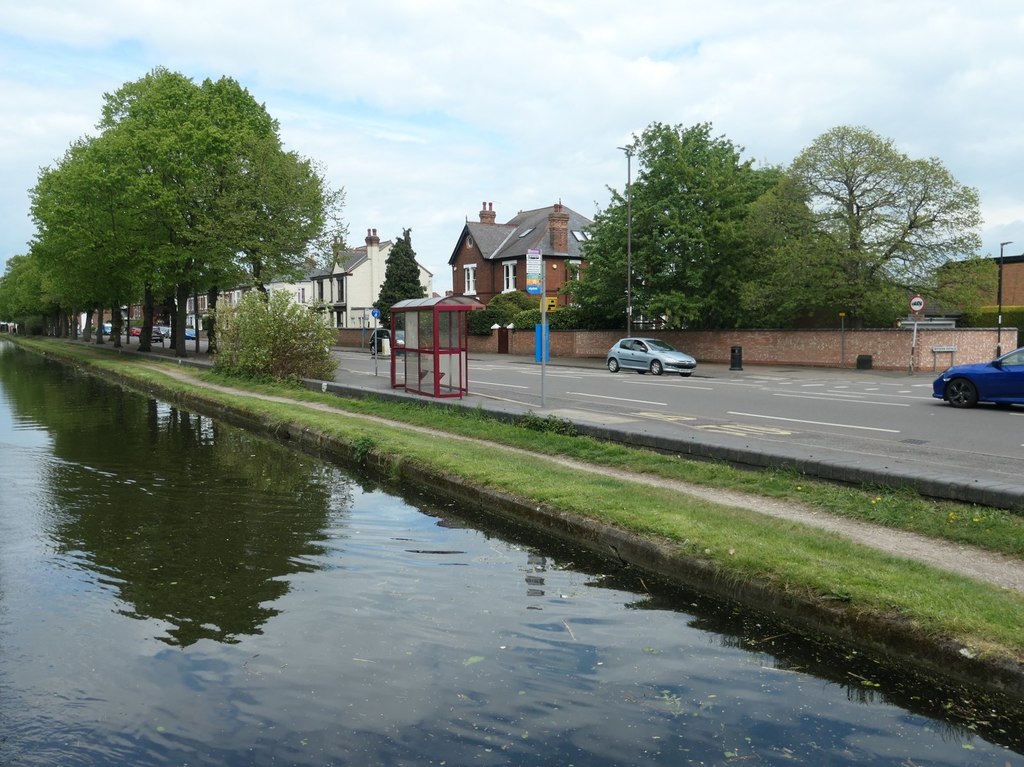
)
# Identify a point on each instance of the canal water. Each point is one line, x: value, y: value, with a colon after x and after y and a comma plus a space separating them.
x: 174, y: 591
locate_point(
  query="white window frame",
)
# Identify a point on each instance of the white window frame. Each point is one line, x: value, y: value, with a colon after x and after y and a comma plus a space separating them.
x: 469, y: 279
x: 508, y: 269
x: 579, y: 267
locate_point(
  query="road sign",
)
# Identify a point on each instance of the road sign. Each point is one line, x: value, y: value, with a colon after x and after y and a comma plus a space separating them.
x: 534, y: 272
x: 375, y: 313
x: 917, y: 304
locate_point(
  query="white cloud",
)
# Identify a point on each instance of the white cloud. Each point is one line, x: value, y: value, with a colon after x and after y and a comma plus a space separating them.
x: 424, y: 110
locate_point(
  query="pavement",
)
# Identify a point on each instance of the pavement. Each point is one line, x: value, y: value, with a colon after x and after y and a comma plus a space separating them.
x: 975, y: 483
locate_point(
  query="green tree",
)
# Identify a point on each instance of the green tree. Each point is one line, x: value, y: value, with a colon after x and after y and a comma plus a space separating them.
x: 86, y: 238
x: 273, y: 338
x: 24, y: 296
x: 213, y: 181
x: 690, y: 251
x: 855, y: 227
x: 401, y: 277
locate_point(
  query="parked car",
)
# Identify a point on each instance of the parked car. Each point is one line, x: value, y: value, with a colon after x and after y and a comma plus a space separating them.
x: 136, y: 331
x: 379, y: 334
x: 1000, y: 381
x: 190, y: 334
x: 649, y: 354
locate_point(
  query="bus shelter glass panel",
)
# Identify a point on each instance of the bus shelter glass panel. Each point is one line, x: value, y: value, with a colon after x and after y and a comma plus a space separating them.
x: 435, y: 362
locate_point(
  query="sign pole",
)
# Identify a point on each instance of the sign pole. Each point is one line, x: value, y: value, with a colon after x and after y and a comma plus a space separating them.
x: 916, y: 306
x: 543, y: 330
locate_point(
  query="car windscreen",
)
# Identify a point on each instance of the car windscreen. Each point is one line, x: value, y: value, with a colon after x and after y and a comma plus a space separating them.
x: 661, y: 346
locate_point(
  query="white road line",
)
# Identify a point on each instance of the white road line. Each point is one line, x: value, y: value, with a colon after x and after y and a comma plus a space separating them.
x: 488, y: 383
x: 812, y: 423
x: 617, y: 399
x: 842, y: 398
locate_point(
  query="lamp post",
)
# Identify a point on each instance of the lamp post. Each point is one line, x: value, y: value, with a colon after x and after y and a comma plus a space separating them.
x: 999, y: 299
x: 629, y: 238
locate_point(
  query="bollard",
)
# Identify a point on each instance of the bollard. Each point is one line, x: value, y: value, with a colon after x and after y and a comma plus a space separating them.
x: 736, y: 358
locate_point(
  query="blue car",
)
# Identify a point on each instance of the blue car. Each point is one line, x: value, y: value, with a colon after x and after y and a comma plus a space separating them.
x: 190, y: 334
x: 1000, y: 381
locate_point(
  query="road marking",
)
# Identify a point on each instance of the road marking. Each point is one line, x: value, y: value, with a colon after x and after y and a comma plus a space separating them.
x: 843, y: 398
x: 814, y: 423
x: 617, y: 399
x: 666, y: 417
x: 509, y: 386
x: 745, y: 430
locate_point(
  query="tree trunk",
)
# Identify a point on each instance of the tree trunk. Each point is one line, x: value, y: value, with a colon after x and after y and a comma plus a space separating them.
x: 99, y: 326
x: 197, y: 324
x: 178, y: 325
x: 211, y: 323
x: 146, y: 334
x: 115, y: 327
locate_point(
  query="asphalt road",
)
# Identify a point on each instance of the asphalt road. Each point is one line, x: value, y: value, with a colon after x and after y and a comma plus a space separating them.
x: 850, y: 425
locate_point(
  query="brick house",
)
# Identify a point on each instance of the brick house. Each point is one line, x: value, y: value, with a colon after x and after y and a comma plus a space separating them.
x: 1013, y: 281
x: 490, y: 258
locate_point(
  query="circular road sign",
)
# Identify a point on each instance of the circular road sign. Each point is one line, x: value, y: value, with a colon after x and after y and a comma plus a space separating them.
x: 917, y: 304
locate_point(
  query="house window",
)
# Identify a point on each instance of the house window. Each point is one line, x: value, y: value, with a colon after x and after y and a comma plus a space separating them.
x: 300, y: 295
x: 470, y: 276
x: 510, y: 275
x: 575, y: 267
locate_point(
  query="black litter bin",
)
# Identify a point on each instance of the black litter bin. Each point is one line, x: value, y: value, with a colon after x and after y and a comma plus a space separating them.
x: 863, y: 362
x: 736, y: 358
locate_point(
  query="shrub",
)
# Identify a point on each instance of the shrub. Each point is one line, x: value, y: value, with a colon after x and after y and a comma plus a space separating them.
x: 528, y: 318
x: 273, y: 338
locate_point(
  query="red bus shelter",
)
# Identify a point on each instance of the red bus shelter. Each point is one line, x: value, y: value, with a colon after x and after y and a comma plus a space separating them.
x: 435, y: 361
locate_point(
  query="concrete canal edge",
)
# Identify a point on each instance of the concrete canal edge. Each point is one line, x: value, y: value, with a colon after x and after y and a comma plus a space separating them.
x: 890, y: 636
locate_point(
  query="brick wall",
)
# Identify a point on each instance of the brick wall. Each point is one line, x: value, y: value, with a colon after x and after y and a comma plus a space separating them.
x: 890, y: 349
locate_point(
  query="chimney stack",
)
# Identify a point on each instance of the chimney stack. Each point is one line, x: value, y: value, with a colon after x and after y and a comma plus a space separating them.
x: 558, y: 229
x: 487, y: 213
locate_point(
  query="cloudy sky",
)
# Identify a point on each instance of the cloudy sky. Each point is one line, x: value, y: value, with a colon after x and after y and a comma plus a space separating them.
x: 422, y: 110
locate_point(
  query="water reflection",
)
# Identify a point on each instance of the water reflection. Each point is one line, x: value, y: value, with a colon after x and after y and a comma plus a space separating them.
x: 189, y: 522
x: 174, y: 591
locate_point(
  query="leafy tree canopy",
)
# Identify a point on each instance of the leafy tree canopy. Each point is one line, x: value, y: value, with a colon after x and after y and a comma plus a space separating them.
x: 855, y: 226
x: 686, y: 210
x: 186, y: 189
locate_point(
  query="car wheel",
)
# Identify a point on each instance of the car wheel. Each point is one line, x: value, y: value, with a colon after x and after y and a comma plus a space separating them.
x: 961, y: 393
x: 613, y: 365
x: 656, y: 368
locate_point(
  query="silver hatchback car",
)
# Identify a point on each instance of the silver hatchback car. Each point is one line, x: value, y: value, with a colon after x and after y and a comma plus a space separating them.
x: 649, y: 354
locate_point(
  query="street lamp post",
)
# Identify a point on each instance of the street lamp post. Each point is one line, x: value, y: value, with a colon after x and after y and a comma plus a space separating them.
x: 629, y: 238
x: 999, y: 299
